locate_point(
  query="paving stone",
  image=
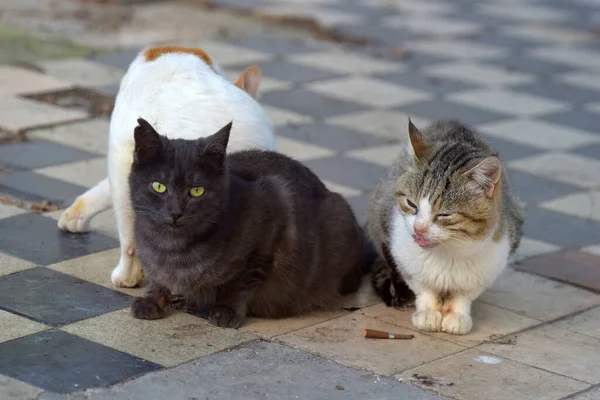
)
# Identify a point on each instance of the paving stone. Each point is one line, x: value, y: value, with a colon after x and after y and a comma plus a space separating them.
x: 10, y: 264
x: 563, y: 167
x: 489, y: 322
x: 270, y: 328
x: 345, y: 191
x: 267, y: 84
x: 530, y: 13
x: 584, y: 205
x: 522, y: 382
x: 276, y: 45
x: 332, y: 137
x: 262, y: 370
x: 416, y: 80
x: 281, y: 117
x: 30, y: 186
x: 591, y: 394
x: 360, y: 206
x: 171, y: 341
x: 295, y: 73
x: 40, y: 153
x: 584, y: 80
x: 458, y: 49
x: 56, y: 299
x: 90, y: 136
x: 575, y: 357
x: 381, y: 155
x: 62, y: 363
x: 537, y: 297
x: 301, y: 151
x: 15, y: 80
x: 550, y: 34
x: 86, y: 173
x: 508, y: 102
x: 570, y: 266
x: 576, y: 57
x: 14, y: 389
x: 346, y: 171
x: 14, y: 326
x: 443, y: 109
x: 508, y: 150
x: 230, y: 55
x: 309, y: 103
x: 523, y: 63
x: 342, y: 340
x: 120, y: 59
x: 23, y: 234
x: 390, y: 125
x: 83, y: 72
x: 18, y: 114
x: 540, y: 134
x: 586, y: 323
x: 531, y: 248
x: 577, y: 118
x: 592, y: 249
x: 479, y: 74
x: 345, y: 63
x: 562, y: 92
x: 10, y: 211
x: 371, y: 92
x: 559, y: 229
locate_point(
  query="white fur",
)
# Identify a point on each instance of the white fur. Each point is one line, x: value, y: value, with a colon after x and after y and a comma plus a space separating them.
x: 458, y: 268
x: 181, y: 97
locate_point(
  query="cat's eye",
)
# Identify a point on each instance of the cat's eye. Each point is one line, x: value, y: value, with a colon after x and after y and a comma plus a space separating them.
x: 447, y: 215
x: 196, y: 191
x: 159, y: 187
x: 410, y: 203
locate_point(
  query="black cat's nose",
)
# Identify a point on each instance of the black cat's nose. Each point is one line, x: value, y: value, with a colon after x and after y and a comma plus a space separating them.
x: 176, y: 216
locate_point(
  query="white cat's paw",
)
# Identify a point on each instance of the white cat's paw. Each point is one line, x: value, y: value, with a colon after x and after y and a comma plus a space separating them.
x: 457, y: 324
x: 427, y: 320
x: 128, y: 273
x: 75, y: 218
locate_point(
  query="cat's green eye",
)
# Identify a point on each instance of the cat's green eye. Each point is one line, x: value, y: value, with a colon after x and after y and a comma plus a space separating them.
x: 196, y: 191
x: 159, y: 187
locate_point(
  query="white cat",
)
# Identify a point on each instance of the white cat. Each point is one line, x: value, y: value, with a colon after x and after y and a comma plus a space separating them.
x: 183, y: 93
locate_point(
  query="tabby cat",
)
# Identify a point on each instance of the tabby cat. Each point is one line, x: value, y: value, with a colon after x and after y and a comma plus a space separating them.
x: 445, y: 219
x: 248, y: 233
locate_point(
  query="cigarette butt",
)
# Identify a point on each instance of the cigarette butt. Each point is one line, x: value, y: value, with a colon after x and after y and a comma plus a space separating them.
x: 373, y: 334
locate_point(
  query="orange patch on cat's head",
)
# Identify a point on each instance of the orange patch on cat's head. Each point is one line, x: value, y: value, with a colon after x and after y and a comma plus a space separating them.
x: 153, y: 53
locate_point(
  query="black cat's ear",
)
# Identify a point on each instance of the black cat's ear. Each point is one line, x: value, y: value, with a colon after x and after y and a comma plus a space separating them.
x: 217, y: 145
x: 418, y: 142
x: 147, y: 142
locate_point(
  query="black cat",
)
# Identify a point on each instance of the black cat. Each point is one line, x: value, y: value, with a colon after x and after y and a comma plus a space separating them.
x: 250, y: 233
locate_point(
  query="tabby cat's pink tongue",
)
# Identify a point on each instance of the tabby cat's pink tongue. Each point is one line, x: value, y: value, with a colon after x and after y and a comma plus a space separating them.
x: 421, y: 242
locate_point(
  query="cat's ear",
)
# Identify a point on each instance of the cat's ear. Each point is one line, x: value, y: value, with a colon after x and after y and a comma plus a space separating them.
x: 486, y: 174
x: 418, y: 142
x: 249, y: 80
x: 217, y: 145
x: 147, y: 142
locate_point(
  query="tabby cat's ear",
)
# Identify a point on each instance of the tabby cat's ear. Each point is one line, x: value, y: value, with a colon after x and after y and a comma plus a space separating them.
x: 486, y: 174
x: 249, y: 80
x: 147, y: 142
x: 418, y: 142
x: 217, y: 145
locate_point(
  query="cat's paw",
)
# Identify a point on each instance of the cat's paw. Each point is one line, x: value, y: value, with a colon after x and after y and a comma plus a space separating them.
x: 457, y: 324
x: 427, y: 320
x: 128, y: 273
x: 144, y: 308
x: 224, y: 317
x: 75, y: 218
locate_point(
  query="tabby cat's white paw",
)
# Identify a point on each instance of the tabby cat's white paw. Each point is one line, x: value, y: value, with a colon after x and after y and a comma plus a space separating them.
x: 75, y: 218
x: 128, y: 273
x: 457, y: 324
x: 427, y: 320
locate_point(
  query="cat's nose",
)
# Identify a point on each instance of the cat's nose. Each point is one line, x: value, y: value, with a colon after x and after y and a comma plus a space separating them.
x: 421, y: 229
x: 176, y: 216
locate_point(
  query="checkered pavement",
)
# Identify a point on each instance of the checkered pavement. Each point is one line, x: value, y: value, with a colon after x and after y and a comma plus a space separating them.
x: 526, y: 74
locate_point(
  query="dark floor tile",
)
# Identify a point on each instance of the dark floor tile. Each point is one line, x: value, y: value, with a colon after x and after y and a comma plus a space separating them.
x: 333, y: 137
x: 589, y: 151
x: 560, y: 91
x: 349, y: 172
x: 60, y: 362
x: 360, y: 206
x: 294, y: 73
x: 37, y: 239
x: 533, y: 189
x: 441, y: 109
x: 27, y: 185
x: 55, y: 298
x: 523, y: 63
x: 120, y: 59
x: 40, y: 153
x: 417, y: 80
x: 570, y: 266
x: 509, y: 151
x: 377, y: 34
x: 492, y: 37
x: 309, y: 103
x: 240, y: 4
x: 560, y: 229
x: 275, y: 45
x: 579, y: 119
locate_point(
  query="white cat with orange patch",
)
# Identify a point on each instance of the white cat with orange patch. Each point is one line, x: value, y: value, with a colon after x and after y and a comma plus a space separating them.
x: 183, y: 93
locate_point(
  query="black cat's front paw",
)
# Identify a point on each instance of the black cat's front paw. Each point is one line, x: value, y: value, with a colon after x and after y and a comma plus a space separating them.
x: 145, y: 308
x: 225, y: 317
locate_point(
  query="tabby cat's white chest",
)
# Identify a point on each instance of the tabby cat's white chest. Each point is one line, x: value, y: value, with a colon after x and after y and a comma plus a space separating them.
x: 443, y: 269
